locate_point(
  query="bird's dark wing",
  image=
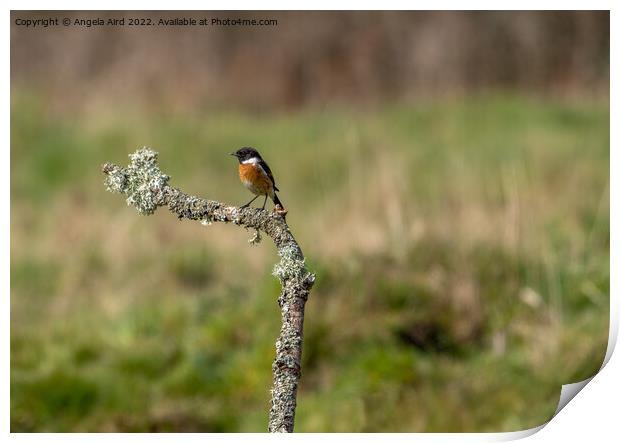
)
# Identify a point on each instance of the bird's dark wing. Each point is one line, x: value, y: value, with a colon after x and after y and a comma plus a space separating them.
x: 265, y: 167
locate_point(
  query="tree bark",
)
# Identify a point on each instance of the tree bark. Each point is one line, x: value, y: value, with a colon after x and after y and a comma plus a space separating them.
x: 146, y: 188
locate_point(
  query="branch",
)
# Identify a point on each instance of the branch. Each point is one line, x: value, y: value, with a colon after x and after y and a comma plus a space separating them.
x: 146, y: 188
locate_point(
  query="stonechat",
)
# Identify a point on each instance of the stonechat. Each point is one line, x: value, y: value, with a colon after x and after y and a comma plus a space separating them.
x: 257, y: 177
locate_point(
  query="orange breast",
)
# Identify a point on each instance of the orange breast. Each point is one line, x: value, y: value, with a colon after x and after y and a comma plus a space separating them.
x: 255, y: 180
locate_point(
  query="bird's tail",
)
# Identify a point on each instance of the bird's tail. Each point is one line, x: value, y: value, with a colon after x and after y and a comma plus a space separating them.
x: 276, y: 200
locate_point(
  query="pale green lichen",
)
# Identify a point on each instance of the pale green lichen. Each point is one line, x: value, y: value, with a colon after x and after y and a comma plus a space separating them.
x: 287, y: 341
x: 255, y: 239
x: 116, y: 178
x: 290, y: 264
x: 207, y: 221
x: 142, y: 181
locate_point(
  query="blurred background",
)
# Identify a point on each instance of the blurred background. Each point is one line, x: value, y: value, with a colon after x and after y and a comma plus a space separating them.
x: 446, y: 173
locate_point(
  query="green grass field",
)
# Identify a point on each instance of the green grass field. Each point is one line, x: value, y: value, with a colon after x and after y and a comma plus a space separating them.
x: 461, y: 249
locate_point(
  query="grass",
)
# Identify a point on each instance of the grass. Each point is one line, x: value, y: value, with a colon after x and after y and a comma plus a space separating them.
x: 461, y: 248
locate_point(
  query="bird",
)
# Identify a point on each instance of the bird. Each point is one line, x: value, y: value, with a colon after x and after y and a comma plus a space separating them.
x: 255, y: 175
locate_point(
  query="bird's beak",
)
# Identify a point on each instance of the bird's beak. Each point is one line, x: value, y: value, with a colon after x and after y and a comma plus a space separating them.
x: 233, y: 153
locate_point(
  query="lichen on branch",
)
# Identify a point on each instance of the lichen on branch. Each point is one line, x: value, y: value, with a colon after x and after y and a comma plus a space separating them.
x: 146, y: 188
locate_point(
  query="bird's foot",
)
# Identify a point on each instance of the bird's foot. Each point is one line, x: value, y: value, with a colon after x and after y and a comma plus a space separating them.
x: 280, y: 211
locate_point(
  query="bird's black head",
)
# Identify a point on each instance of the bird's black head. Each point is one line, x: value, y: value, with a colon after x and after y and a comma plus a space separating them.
x: 246, y: 153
